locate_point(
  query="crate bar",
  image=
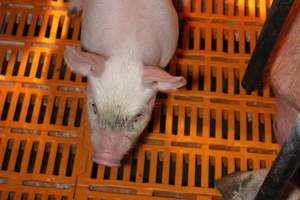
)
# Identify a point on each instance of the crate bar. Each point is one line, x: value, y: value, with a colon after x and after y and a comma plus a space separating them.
x: 284, y: 167
x: 266, y: 42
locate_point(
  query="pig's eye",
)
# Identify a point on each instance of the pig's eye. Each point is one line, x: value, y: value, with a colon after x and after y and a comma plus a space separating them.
x: 138, y: 117
x: 94, y: 107
x: 135, y: 120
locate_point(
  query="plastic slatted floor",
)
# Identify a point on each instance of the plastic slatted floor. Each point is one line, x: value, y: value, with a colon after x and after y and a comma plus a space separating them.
x: 196, y: 135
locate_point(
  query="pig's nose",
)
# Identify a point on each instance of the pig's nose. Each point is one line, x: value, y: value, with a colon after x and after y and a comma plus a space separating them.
x: 110, y: 147
x: 107, y: 159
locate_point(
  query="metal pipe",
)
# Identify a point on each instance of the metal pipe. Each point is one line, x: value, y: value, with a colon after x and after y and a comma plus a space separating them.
x: 284, y: 167
x: 265, y: 44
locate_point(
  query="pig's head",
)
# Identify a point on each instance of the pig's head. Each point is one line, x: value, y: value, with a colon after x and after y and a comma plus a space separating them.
x: 121, y: 96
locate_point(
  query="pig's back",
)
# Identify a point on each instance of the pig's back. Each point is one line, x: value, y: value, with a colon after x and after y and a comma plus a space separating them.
x: 144, y: 29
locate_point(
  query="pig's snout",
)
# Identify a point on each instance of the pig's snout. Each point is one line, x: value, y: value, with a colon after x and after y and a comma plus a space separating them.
x: 110, y: 147
x: 107, y: 159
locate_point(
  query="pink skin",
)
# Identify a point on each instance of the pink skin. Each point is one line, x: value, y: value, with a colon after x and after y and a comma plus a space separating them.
x: 285, y: 118
x: 110, y: 147
x: 284, y: 76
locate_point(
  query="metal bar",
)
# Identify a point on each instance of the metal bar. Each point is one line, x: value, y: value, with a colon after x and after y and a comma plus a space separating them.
x: 284, y: 167
x: 265, y: 44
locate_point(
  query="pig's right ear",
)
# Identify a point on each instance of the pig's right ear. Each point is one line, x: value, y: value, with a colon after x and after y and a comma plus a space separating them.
x: 162, y: 80
x: 83, y: 63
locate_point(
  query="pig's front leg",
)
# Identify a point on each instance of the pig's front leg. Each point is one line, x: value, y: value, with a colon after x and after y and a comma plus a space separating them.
x: 75, y: 6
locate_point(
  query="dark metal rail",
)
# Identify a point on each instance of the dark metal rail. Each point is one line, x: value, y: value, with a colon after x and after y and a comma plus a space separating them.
x: 266, y: 43
x: 284, y: 167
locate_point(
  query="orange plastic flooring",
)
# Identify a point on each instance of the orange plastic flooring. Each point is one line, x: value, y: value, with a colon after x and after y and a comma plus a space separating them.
x: 196, y: 135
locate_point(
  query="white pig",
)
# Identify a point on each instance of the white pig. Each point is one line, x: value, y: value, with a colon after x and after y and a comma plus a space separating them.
x: 126, y: 43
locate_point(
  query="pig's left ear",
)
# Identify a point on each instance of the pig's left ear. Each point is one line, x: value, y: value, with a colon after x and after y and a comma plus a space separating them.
x: 83, y: 63
x: 162, y: 80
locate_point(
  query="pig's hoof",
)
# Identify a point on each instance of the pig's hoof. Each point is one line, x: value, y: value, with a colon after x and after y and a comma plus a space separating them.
x: 75, y: 7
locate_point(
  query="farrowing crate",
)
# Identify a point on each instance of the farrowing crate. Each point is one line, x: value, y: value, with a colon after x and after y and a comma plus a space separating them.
x: 196, y: 135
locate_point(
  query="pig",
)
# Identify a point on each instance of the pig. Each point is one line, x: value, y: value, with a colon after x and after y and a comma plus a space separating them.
x: 284, y: 73
x: 125, y: 44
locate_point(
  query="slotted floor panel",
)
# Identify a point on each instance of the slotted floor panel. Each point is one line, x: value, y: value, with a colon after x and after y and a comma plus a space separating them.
x: 196, y: 135
x: 30, y: 193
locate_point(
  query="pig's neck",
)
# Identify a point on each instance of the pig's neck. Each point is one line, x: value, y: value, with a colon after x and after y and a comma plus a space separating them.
x: 124, y: 67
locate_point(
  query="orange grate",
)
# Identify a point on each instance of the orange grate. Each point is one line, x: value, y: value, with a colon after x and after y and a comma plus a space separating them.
x: 197, y: 134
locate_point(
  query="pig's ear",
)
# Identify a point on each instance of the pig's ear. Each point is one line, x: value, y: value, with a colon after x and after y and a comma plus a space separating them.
x: 83, y: 63
x: 162, y: 80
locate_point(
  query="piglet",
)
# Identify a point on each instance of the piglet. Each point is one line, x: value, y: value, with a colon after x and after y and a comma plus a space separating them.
x: 124, y: 46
